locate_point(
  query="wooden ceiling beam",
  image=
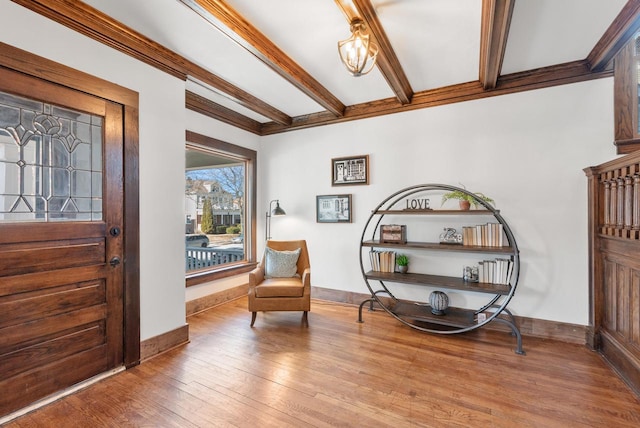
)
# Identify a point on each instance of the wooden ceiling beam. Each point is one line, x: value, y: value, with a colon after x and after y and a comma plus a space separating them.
x: 387, y: 60
x: 243, y: 98
x: 92, y: 23
x: 561, y: 74
x: 619, y: 32
x: 214, y: 110
x: 496, y: 20
x: 228, y: 21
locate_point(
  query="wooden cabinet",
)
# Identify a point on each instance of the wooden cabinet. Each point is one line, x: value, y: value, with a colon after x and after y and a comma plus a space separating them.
x: 490, y: 299
x: 614, y: 264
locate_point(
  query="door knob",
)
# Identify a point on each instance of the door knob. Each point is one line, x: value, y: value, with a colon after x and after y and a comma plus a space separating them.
x: 114, y: 261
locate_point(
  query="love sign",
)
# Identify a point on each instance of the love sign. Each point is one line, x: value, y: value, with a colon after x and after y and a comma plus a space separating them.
x: 417, y: 204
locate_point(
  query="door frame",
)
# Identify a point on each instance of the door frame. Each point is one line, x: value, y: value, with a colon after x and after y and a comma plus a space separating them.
x: 16, y: 59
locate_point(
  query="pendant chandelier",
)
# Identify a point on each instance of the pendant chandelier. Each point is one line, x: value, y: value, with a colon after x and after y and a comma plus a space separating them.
x: 358, y: 53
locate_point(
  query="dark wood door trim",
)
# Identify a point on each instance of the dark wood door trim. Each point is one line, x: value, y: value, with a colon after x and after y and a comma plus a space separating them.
x: 12, y: 58
x: 131, y: 250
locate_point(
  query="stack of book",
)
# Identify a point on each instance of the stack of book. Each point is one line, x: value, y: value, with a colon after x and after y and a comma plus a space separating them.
x: 487, y: 235
x: 383, y: 261
x: 496, y: 271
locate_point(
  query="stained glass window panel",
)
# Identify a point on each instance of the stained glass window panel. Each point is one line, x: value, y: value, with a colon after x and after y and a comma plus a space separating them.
x: 50, y: 162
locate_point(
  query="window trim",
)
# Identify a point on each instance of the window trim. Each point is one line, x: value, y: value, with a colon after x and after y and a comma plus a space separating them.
x: 250, y: 156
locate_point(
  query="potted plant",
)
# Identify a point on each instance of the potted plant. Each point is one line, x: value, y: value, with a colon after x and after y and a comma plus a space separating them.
x: 465, y: 200
x: 402, y: 261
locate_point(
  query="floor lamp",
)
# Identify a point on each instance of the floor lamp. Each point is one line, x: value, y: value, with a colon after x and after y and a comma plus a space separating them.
x: 275, y: 211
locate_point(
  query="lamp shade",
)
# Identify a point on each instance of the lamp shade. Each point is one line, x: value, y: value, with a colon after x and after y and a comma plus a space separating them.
x: 358, y: 53
x: 277, y: 210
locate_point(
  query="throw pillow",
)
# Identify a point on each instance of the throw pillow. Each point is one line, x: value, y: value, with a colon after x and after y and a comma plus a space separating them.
x: 281, y: 264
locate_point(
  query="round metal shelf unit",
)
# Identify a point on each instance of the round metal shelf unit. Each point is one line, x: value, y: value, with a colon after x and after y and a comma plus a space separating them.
x: 455, y: 322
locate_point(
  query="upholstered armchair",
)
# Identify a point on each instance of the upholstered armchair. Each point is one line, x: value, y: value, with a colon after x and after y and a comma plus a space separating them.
x: 282, y: 280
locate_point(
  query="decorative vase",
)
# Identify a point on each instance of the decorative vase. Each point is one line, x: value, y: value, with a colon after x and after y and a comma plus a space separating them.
x: 439, y: 302
x: 403, y: 269
x: 464, y: 205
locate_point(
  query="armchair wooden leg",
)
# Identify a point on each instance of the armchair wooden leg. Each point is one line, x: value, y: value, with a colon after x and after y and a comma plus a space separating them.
x: 305, y: 319
x: 253, y: 318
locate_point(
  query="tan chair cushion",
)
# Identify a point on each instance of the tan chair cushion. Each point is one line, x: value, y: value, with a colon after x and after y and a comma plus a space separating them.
x: 280, y: 287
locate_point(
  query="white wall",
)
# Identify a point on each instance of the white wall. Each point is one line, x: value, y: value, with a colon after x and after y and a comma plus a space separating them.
x: 162, y: 128
x: 525, y: 150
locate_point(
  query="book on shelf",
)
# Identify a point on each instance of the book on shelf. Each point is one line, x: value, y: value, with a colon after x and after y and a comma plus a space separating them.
x: 509, y: 272
x: 382, y: 261
x: 492, y: 271
x: 485, y: 235
x: 498, y: 271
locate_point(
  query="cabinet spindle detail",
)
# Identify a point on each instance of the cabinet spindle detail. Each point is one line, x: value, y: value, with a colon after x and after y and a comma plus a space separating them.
x: 628, y: 201
x: 607, y: 202
x: 636, y: 202
x: 619, y: 191
x: 621, y: 204
x: 613, y: 215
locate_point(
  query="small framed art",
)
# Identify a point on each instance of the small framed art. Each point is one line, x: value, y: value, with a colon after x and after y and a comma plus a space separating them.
x: 333, y: 208
x: 351, y: 170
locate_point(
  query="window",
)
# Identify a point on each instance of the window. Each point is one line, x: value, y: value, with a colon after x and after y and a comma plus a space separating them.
x: 219, y: 209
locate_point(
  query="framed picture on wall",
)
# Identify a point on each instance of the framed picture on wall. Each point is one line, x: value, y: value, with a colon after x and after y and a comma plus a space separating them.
x: 333, y: 208
x: 351, y: 170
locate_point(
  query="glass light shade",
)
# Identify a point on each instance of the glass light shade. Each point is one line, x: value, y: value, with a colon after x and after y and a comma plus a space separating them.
x: 358, y: 53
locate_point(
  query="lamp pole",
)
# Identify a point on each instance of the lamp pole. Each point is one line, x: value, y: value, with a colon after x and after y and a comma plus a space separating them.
x: 275, y: 211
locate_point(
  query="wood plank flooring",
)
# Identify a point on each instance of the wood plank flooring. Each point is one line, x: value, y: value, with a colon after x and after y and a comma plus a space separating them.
x: 341, y: 373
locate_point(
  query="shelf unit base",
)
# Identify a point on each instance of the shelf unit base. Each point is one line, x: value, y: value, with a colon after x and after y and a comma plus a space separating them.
x: 455, y: 320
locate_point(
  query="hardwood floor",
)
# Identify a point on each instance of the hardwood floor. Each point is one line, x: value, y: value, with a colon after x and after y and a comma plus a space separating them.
x: 341, y: 373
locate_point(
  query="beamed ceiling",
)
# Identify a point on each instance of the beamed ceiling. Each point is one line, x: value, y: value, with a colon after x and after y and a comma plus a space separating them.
x: 269, y: 66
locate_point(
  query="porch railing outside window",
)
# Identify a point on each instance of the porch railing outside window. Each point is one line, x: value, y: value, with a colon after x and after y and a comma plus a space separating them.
x: 199, y: 258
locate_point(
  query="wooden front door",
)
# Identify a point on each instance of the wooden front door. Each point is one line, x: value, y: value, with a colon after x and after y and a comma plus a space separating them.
x: 61, y: 238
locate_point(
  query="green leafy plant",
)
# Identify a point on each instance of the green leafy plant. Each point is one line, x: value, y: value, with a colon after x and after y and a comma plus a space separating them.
x: 461, y: 196
x: 233, y: 230
x: 402, y: 260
